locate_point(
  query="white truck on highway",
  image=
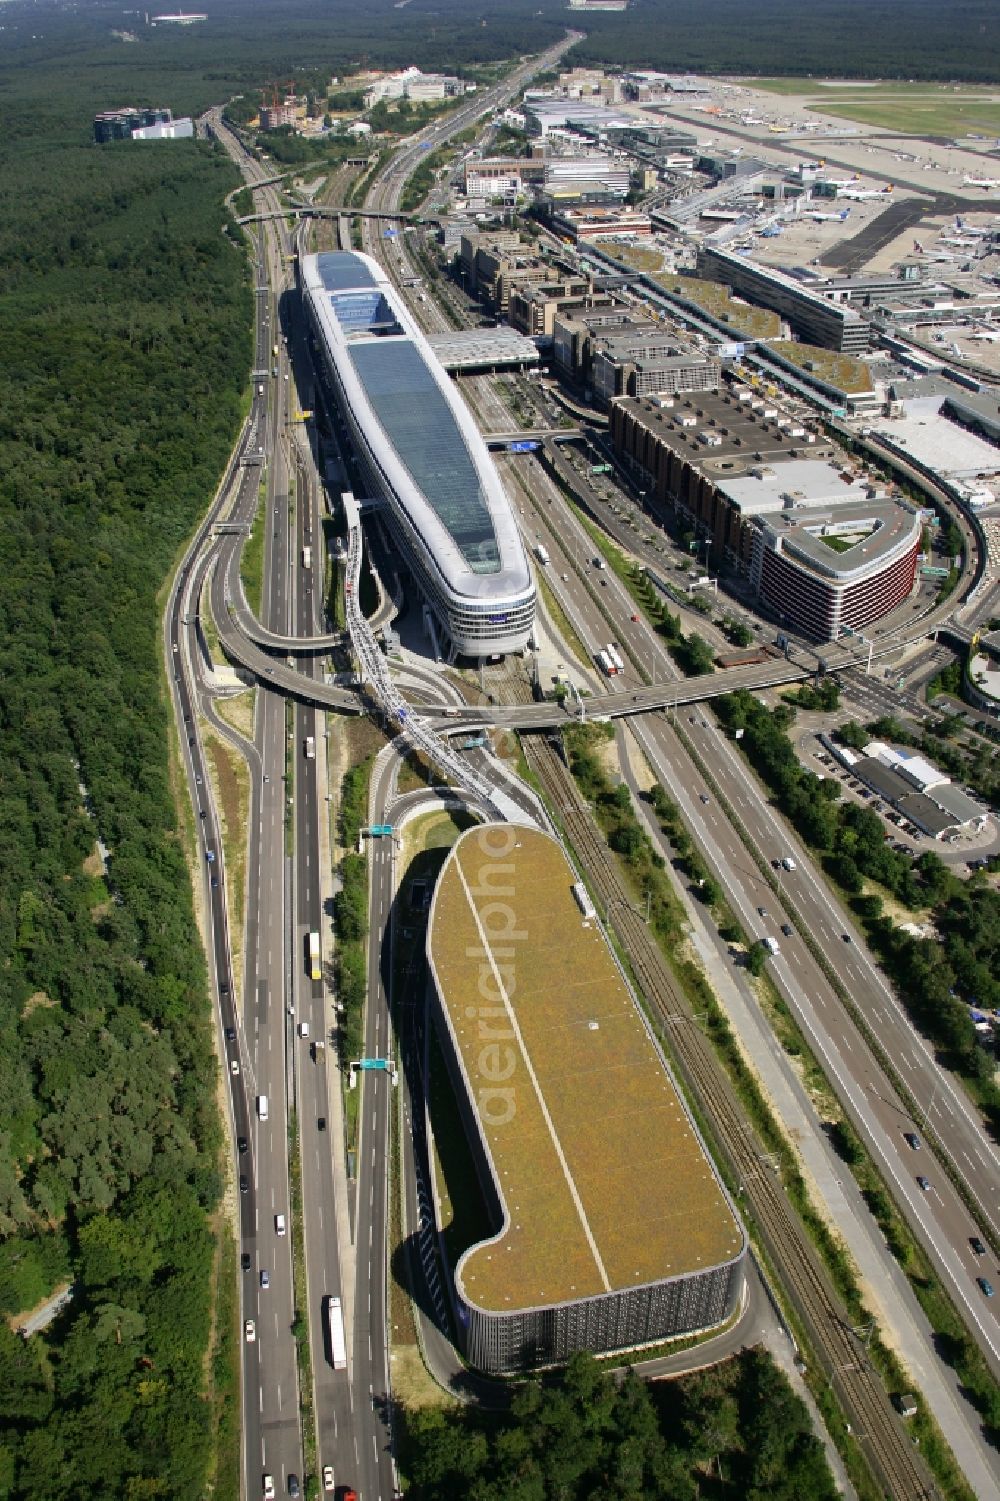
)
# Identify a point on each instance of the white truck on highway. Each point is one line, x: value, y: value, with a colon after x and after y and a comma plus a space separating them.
x: 542, y: 554
x: 337, y: 1345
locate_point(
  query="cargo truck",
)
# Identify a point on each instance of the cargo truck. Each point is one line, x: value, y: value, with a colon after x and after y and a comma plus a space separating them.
x: 335, y: 1333
x: 315, y: 968
x: 542, y: 554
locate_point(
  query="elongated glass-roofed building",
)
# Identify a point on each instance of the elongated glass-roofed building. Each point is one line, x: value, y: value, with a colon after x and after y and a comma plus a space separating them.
x: 420, y: 451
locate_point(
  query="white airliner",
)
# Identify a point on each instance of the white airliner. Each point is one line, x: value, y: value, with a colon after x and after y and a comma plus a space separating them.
x: 981, y: 182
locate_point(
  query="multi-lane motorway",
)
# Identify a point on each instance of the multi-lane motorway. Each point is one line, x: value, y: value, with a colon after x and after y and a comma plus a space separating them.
x: 343, y: 1234
x: 599, y: 609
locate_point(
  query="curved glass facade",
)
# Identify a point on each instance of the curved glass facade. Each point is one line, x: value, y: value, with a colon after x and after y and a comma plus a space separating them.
x: 422, y: 429
x: 419, y: 448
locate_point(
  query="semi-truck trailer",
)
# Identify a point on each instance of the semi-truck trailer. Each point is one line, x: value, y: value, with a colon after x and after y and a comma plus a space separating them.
x: 614, y: 657
x: 307, y: 557
x: 605, y: 663
x: 542, y: 554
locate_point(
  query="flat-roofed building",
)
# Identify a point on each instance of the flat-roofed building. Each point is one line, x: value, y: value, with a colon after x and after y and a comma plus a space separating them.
x: 180, y: 129
x: 611, y: 1226
x: 545, y: 115
x: 648, y: 359
x: 533, y: 306
x: 593, y: 223
x: 573, y: 333
x: 501, y: 177
x: 121, y: 124
x: 817, y: 319
x: 800, y: 573
x: 490, y: 262
x: 823, y: 544
x: 565, y: 173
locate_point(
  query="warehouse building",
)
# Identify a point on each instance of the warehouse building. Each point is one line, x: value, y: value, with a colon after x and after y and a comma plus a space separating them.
x: 611, y: 1227
x: 915, y: 788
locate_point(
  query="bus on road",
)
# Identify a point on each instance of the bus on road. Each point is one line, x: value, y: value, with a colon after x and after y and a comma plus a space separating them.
x: 315, y: 966
x: 336, y: 1350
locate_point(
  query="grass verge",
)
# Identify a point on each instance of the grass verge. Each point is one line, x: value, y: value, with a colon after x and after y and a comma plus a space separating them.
x: 560, y: 621
x: 300, y: 1319
x: 230, y: 781
x: 252, y: 557
x: 225, y: 1370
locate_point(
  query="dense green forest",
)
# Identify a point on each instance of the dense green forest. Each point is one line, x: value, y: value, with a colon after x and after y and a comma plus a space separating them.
x: 126, y: 314
x: 839, y: 38
x: 244, y: 45
x: 733, y: 1430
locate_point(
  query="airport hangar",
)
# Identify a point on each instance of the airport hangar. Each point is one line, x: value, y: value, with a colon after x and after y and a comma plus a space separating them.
x: 614, y: 1230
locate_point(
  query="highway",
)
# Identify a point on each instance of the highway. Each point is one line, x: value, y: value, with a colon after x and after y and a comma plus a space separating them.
x: 247, y: 1024
x: 285, y: 904
x: 285, y: 901
x: 802, y: 899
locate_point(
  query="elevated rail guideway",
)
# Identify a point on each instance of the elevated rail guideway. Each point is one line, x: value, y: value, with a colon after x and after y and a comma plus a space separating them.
x: 375, y: 673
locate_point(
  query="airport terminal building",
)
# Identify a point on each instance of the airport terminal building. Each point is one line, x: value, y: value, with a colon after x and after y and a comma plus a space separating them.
x: 420, y: 451
x: 611, y: 1227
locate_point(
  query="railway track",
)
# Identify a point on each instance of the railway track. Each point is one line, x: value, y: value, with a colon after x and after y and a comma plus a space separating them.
x: 879, y: 1432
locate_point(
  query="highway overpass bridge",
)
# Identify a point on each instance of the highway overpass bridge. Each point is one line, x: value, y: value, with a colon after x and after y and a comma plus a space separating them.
x: 325, y: 211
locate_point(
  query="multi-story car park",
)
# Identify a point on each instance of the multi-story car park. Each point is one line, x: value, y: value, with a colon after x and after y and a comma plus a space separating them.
x: 823, y: 544
x: 807, y: 584
x: 612, y: 1228
x: 419, y: 450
